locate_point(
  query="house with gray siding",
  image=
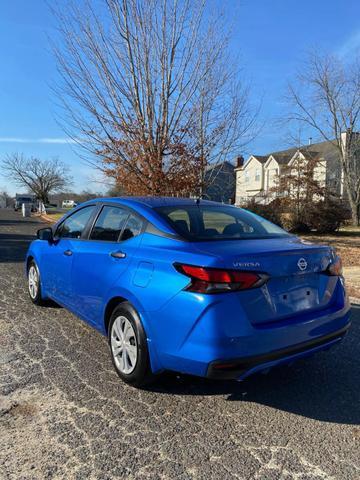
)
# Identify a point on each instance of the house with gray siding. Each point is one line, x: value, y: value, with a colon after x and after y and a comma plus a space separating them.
x: 220, y: 182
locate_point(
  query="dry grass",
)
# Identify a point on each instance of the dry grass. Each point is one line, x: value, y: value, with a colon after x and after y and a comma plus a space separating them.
x: 347, y: 244
x: 54, y: 216
x: 352, y: 290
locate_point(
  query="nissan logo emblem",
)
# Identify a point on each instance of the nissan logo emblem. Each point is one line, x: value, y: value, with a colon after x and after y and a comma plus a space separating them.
x: 302, y: 264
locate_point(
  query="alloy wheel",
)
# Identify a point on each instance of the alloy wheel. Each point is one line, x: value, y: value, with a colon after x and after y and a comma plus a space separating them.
x: 33, y: 282
x: 124, y: 345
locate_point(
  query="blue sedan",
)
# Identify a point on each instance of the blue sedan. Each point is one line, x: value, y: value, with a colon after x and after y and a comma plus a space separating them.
x: 190, y: 286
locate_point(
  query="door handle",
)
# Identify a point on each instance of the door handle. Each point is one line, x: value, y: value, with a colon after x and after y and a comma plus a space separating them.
x: 68, y: 253
x: 118, y: 254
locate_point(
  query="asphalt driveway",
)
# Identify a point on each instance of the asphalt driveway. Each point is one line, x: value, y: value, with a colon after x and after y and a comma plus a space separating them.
x: 64, y: 414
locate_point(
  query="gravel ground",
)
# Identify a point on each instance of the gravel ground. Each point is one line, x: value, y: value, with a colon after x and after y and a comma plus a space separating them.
x: 64, y: 414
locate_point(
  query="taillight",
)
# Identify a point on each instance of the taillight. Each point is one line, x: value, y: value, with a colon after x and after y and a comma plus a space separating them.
x: 335, y: 268
x: 215, y: 280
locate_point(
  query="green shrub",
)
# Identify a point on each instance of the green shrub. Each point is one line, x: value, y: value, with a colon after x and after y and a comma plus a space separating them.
x: 270, y: 212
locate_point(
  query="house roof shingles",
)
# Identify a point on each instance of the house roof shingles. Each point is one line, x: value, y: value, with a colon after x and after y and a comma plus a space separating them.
x: 261, y: 158
x: 326, y: 150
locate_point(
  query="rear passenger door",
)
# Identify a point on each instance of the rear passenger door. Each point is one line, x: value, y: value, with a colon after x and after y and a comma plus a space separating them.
x: 102, y: 259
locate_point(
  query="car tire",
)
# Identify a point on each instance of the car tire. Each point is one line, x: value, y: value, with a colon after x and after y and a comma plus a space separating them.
x: 34, y: 284
x: 128, y: 346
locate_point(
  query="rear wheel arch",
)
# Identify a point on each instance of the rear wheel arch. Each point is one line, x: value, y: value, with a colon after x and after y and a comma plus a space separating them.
x: 28, y: 261
x: 110, y: 307
x: 133, y: 303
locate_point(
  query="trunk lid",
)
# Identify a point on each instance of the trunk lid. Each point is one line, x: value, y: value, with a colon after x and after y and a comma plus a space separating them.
x: 297, y: 282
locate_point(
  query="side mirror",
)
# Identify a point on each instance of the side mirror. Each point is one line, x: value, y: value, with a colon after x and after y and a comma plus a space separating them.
x: 45, y: 234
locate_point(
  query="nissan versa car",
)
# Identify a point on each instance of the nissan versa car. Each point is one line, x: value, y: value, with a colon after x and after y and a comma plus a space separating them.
x: 190, y: 286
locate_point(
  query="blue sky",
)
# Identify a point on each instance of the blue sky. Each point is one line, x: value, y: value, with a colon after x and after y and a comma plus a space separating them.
x: 271, y: 36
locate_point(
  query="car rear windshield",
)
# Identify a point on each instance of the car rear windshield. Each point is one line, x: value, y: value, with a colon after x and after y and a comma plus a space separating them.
x: 201, y: 223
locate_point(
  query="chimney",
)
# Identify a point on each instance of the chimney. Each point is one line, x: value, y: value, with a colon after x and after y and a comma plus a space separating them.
x: 310, y: 140
x: 239, y: 161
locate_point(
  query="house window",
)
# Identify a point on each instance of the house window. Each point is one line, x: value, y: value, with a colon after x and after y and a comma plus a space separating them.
x: 247, y: 178
x: 272, y: 173
x: 257, y: 175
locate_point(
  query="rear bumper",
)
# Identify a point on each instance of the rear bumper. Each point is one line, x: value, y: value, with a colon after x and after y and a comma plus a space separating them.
x: 205, y: 332
x: 240, y: 368
x: 209, y: 343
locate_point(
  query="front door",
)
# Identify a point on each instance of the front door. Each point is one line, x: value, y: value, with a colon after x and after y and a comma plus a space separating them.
x: 58, y: 256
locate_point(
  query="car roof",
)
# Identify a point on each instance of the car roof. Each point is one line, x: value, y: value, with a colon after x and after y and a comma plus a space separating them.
x: 154, y: 202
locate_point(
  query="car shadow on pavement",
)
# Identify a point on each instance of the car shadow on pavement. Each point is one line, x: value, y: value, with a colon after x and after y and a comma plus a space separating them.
x: 14, y: 246
x: 22, y: 221
x: 324, y: 387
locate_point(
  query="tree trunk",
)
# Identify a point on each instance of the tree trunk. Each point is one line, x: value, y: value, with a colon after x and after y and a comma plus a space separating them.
x: 44, y: 198
x: 355, y: 215
x: 354, y: 206
x: 355, y: 210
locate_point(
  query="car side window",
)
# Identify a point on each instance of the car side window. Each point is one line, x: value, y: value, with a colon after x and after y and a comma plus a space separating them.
x: 132, y: 228
x: 109, y: 224
x: 74, y: 225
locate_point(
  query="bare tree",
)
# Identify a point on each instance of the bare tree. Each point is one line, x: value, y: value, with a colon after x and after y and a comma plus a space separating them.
x: 5, y: 198
x: 149, y: 89
x: 224, y: 121
x: 326, y: 97
x: 41, y: 177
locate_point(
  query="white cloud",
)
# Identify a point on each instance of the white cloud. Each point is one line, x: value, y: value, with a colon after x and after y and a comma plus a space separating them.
x: 56, y: 140
x: 350, y: 46
x: 37, y: 140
